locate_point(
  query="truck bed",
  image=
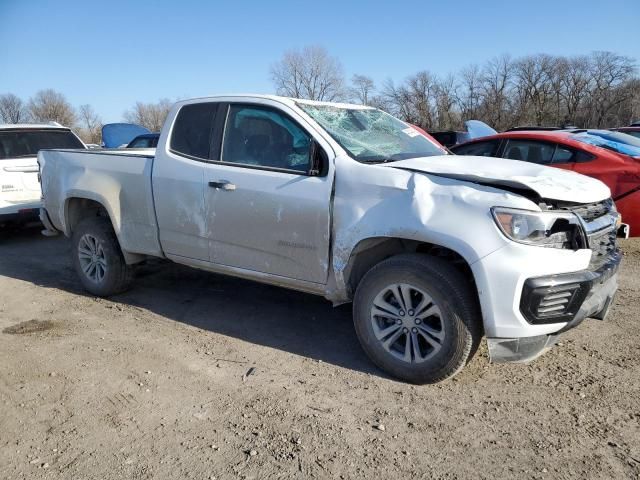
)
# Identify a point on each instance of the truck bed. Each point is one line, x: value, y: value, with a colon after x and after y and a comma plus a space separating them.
x: 119, y: 179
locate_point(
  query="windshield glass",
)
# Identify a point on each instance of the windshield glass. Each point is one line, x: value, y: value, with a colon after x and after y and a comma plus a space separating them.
x: 371, y: 135
x: 610, y: 142
x: 26, y: 143
x: 621, y: 137
x: 633, y: 133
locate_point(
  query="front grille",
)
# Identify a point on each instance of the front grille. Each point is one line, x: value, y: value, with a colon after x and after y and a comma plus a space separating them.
x: 602, y: 240
x: 603, y: 245
x: 592, y: 211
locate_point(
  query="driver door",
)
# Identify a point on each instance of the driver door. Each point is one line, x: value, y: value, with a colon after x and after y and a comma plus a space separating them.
x: 266, y: 211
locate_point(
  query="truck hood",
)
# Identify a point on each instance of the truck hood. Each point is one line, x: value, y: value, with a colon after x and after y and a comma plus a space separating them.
x: 547, y: 182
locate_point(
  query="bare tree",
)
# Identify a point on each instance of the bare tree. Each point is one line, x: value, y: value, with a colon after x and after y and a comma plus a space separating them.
x: 309, y: 73
x: 362, y: 88
x: 534, y: 80
x: 91, y: 124
x: 149, y: 115
x: 12, y: 109
x: 414, y: 101
x: 575, y: 86
x: 51, y: 106
x: 495, y: 83
x: 609, y: 73
x: 396, y: 100
x: 469, y: 99
x: 446, y: 98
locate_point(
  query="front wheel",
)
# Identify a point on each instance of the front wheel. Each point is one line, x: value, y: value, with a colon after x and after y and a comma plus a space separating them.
x: 417, y: 318
x: 98, y: 259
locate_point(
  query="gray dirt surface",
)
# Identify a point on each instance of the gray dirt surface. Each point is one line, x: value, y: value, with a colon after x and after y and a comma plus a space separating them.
x: 194, y: 375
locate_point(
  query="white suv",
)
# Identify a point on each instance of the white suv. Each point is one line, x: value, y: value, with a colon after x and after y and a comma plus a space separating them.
x: 19, y: 146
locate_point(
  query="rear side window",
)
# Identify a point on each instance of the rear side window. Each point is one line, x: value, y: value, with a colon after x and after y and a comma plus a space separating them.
x: 563, y: 155
x: 191, y: 134
x: 481, y: 149
x: 26, y: 143
x: 529, y: 151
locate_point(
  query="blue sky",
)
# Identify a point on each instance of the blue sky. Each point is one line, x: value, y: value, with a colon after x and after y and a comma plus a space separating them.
x: 111, y: 53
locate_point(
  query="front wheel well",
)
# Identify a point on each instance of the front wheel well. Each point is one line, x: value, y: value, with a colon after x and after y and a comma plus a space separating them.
x: 372, y: 251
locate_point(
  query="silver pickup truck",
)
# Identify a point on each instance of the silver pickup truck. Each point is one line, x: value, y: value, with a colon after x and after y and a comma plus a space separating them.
x: 348, y: 202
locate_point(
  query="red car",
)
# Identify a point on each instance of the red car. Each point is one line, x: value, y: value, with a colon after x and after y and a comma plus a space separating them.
x: 600, y: 154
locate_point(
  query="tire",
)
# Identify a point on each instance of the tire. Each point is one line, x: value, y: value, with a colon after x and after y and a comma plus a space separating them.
x: 98, y: 259
x: 428, y: 306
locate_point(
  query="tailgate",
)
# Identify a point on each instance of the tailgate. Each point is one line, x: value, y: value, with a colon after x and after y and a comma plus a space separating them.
x: 19, y: 181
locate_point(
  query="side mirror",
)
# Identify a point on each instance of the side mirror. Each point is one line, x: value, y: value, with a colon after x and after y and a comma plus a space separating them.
x: 319, y: 160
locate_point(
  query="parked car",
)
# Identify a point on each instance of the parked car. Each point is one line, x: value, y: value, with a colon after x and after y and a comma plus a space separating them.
x: 633, y: 130
x: 438, y: 145
x: 581, y: 151
x: 147, y: 140
x: 621, y: 142
x: 19, y: 146
x: 350, y: 203
x: 473, y: 129
x: 119, y: 135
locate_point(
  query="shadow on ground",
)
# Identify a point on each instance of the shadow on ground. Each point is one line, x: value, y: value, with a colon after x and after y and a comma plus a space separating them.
x: 295, y: 322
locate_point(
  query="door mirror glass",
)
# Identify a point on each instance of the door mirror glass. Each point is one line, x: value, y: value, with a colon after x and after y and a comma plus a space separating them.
x: 319, y: 160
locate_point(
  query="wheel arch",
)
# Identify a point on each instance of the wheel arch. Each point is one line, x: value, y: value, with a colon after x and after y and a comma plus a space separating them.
x: 79, y: 207
x: 370, y: 251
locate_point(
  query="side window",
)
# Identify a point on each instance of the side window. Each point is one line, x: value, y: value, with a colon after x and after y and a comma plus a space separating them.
x: 140, y: 143
x: 563, y: 155
x: 265, y: 137
x: 481, y: 149
x: 582, y: 156
x: 529, y: 151
x: 191, y: 133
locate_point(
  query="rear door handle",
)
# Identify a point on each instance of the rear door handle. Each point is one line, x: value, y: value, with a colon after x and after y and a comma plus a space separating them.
x: 223, y: 185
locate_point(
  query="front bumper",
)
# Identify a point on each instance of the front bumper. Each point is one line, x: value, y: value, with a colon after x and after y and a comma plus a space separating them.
x: 591, y: 295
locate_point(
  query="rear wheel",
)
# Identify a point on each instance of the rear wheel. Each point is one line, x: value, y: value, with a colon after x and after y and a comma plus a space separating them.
x: 98, y: 259
x: 417, y: 318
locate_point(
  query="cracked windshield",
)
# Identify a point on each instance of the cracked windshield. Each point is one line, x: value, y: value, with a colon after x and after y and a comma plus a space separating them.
x: 370, y: 135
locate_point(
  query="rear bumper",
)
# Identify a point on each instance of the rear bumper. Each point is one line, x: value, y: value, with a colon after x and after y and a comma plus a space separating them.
x: 21, y: 215
x: 592, y: 291
x: 17, y: 207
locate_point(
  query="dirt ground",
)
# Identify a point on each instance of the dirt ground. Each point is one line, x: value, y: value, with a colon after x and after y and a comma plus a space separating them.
x: 194, y: 375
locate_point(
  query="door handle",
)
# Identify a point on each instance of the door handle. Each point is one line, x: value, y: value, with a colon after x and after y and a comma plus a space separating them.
x: 223, y: 185
x: 22, y: 169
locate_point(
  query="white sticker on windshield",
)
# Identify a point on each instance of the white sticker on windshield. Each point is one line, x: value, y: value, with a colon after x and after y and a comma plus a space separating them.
x: 412, y: 132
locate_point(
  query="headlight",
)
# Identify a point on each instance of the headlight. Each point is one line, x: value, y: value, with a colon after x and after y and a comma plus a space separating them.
x: 544, y: 229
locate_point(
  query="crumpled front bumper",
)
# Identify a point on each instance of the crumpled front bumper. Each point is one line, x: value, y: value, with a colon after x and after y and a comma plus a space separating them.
x: 598, y: 289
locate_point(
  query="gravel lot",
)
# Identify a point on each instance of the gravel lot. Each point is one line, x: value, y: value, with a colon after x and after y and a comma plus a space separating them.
x: 194, y: 375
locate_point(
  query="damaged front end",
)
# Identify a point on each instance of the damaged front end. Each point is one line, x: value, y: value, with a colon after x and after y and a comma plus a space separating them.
x: 568, y: 299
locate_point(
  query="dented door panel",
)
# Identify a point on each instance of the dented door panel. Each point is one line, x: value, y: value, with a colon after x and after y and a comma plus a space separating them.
x: 272, y: 222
